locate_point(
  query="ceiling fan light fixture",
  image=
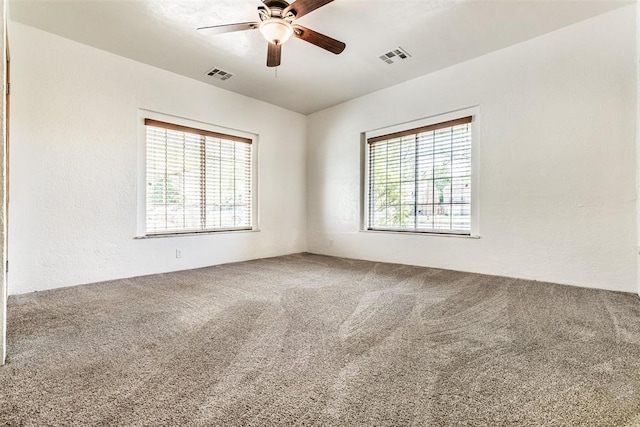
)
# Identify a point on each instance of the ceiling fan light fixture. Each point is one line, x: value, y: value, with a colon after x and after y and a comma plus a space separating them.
x: 276, y: 30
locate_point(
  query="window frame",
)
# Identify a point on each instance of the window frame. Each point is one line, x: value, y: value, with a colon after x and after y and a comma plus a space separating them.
x: 406, y: 128
x: 210, y: 130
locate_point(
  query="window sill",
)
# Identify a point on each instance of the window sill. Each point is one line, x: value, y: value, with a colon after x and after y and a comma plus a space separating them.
x: 196, y: 233
x: 422, y: 233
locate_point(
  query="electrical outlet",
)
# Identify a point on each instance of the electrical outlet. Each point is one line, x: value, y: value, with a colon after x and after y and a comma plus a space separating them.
x: 178, y: 253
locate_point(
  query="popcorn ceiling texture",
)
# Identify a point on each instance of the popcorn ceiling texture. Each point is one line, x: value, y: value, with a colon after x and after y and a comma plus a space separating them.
x: 315, y: 340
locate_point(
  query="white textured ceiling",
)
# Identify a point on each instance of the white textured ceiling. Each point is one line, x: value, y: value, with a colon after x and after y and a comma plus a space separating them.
x: 437, y: 33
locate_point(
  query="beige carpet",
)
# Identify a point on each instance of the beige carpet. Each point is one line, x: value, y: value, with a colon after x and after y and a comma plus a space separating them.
x: 319, y: 341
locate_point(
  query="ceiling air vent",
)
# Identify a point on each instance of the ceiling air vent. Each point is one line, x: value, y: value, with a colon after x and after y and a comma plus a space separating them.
x: 395, y: 55
x: 219, y: 74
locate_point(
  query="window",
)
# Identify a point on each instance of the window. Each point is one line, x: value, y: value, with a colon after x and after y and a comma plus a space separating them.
x: 196, y: 180
x: 420, y: 179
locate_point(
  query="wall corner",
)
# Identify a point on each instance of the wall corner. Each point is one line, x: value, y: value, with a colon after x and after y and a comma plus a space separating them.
x: 637, y: 106
x: 3, y: 184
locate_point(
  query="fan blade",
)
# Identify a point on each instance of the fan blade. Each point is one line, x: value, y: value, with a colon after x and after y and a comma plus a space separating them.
x: 228, y: 28
x: 320, y: 40
x: 274, y: 52
x: 302, y: 7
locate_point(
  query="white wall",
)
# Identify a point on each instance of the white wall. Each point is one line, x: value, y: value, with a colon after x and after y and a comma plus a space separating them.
x: 557, y: 163
x: 74, y: 166
x: 637, y: 109
x: 3, y: 184
x: 556, y: 167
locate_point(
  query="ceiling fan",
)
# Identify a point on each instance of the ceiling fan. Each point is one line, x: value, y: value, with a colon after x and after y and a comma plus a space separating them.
x: 276, y: 24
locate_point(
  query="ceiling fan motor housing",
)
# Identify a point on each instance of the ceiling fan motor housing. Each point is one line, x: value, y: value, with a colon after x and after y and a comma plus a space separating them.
x: 275, y: 8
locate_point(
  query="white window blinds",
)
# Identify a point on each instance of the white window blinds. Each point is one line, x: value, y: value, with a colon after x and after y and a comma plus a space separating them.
x: 196, y: 180
x: 420, y: 179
